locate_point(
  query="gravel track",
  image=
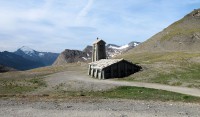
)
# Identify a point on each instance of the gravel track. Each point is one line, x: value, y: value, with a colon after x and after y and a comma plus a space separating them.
x: 80, y: 81
x: 98, y: 108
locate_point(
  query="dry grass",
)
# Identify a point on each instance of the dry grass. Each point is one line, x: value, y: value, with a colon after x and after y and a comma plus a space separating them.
x: 171, y: 68
x: 20, y: 82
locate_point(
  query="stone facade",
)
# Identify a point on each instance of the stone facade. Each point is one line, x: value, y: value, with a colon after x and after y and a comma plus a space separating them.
x: 103, y: 68
x: 98, y: 50
x: 112, y: 68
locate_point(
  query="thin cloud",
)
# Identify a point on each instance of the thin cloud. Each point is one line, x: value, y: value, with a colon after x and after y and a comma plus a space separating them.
x: 73, y: 24
x: 84, y: 11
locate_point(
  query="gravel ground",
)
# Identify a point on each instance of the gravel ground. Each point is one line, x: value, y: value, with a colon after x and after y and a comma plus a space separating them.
x: 79, y: 81
x: 97, y: 108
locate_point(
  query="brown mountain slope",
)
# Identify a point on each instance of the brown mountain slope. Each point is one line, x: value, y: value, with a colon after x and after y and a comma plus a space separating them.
x: 71, y: 56
x: 183, y: 35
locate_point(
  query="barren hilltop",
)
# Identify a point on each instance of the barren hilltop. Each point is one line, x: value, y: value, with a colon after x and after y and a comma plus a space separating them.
x: 183, y: 35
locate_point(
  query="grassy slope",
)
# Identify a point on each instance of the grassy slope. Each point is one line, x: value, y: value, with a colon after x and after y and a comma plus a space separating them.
x: 172, y: 56
x: 182, y: 27
x: 172, y: 68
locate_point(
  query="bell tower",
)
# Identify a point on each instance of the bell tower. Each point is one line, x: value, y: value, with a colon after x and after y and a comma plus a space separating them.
x: 98, y: 50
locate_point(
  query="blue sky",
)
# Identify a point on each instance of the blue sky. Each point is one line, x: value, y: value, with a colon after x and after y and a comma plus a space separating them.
x: 54, y: 25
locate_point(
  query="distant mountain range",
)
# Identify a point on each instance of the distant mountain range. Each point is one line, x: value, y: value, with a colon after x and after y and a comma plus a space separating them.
x: 112, y: 50
x: 26, y: 58
x: 44, y: 58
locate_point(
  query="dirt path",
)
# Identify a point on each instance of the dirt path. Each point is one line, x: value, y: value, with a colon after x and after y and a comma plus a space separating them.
x: 74, y: 80
x: 97, y: 108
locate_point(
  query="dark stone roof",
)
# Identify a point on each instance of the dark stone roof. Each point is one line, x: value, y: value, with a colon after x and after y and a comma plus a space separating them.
x: 99, y: 41
x: 103, y: 63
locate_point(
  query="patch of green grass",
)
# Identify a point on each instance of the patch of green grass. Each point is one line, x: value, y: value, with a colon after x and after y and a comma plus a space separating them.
x: 169, y: 76
x: 194, y: 85
x: 176, y: 84
x: 15, y: 89
x: 40, y: 82
x: 148, y: 94
x: 162, y: 79
x: 20, y: 86
x: 190, y: 74
x: 137, y: 93
x: 171, y: 68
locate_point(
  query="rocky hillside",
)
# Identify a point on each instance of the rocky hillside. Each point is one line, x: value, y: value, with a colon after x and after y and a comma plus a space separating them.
x: 70, y: 56
x: 183, y: 35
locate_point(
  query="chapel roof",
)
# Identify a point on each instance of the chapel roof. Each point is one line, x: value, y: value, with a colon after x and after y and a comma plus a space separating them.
x: 98, y: 41
x: 103, y: 63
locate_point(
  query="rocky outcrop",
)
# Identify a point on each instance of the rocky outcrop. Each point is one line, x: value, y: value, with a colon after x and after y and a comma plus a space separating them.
x: 71, y: 56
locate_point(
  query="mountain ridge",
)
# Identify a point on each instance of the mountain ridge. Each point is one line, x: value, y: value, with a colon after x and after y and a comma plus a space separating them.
x: 182, y: 35
x: 44, y: 58
x: 17, y: 62
x: 26, y: 58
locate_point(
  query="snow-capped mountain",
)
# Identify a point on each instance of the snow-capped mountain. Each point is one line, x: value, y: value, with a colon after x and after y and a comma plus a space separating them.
x: 26, y: 58
x: 127, y: 46
x: 27, y: 50
x: 29, y: 53
x: 44, y: 58
x: 114, y: 50
x: 17, y: 62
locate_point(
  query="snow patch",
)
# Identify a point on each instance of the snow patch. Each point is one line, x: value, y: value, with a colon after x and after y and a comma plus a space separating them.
x: 119, y: 48
x: 27, y: 50
x: 113, y: 47
x: 41, y: 54
x: 84, y: 58
x: 136, y: 44
x: 123, y: 47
